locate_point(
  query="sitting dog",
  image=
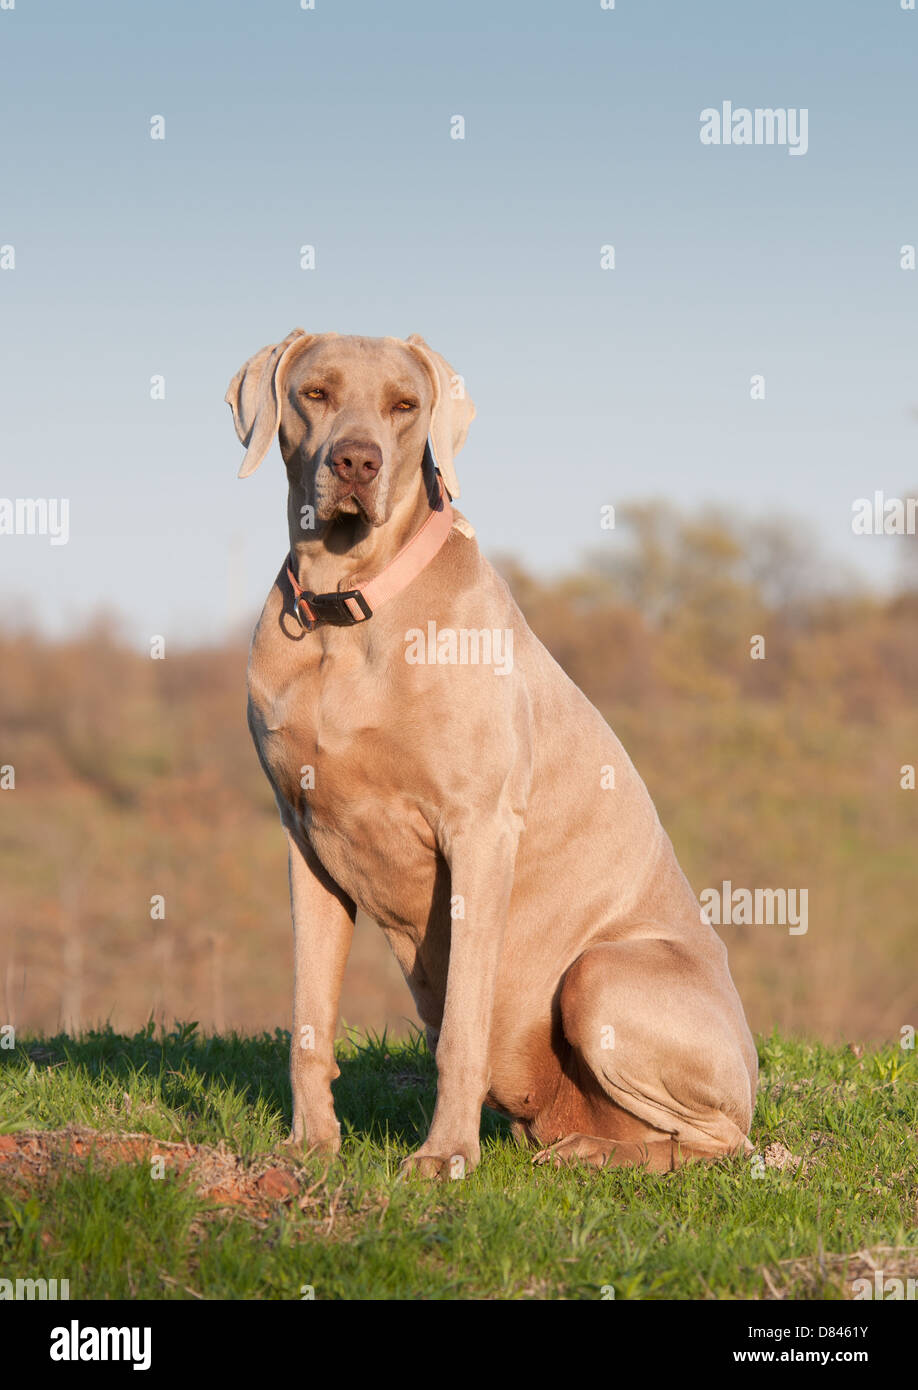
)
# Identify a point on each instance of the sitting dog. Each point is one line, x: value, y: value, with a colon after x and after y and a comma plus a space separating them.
x: 434, y: 766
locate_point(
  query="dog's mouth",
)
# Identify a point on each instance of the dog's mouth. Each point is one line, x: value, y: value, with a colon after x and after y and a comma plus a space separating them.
x: 339, y: 498
x: 349, y: 503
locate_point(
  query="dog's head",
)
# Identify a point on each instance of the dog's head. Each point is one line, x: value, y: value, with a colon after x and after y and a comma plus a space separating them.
x: 353, y: 417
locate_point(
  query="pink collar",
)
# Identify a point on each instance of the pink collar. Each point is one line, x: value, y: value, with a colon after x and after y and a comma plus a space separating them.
x: 350, y: 606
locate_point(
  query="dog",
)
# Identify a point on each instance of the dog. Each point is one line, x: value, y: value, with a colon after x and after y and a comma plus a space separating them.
x: 483, y: 813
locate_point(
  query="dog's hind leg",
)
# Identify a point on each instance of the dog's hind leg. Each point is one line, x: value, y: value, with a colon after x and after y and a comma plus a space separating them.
x: 667, y: 1065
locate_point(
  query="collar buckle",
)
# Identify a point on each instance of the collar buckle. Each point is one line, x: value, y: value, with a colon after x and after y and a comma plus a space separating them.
x: 332, y: 608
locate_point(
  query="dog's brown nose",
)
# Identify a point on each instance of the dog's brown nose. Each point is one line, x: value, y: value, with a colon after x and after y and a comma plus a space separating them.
x: 356, y: 461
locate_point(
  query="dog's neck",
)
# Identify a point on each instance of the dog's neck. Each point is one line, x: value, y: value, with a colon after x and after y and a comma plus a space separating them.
x: 347, y: 548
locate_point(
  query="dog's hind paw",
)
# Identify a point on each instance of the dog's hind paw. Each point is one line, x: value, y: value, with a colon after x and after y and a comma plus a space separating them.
x: 656, y: 1156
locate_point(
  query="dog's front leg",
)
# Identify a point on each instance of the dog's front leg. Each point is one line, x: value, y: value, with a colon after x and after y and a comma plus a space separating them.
x: 481, y: 864
x: 323, y: 927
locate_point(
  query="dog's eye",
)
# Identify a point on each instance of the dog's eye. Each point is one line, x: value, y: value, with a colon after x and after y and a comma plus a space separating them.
x: 406, y: 405
x: 315, y: 393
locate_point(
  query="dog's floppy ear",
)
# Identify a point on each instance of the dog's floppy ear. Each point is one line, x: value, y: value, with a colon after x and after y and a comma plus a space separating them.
x: 451, y: 413
x: 255, y: 396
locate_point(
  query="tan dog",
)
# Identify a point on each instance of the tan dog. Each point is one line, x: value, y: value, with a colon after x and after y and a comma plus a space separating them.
x: 480, y: 810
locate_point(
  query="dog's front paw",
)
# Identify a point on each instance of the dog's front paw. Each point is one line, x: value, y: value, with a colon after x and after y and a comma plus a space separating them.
x: 427, y: 1163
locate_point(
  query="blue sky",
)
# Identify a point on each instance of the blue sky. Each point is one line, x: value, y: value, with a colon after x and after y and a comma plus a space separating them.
x: 332, y: 127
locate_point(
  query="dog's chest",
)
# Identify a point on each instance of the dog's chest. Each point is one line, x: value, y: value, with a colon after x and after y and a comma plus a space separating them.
x: 339, y: 757
x: 310, y: 724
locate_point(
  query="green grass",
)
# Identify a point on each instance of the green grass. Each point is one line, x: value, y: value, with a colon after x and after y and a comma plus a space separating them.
x: 509, y: 1231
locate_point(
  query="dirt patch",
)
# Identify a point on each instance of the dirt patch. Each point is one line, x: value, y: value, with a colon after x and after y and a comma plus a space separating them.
x: 777, y: 1155
x: 33, y: 1157
x: 879, y: 1267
